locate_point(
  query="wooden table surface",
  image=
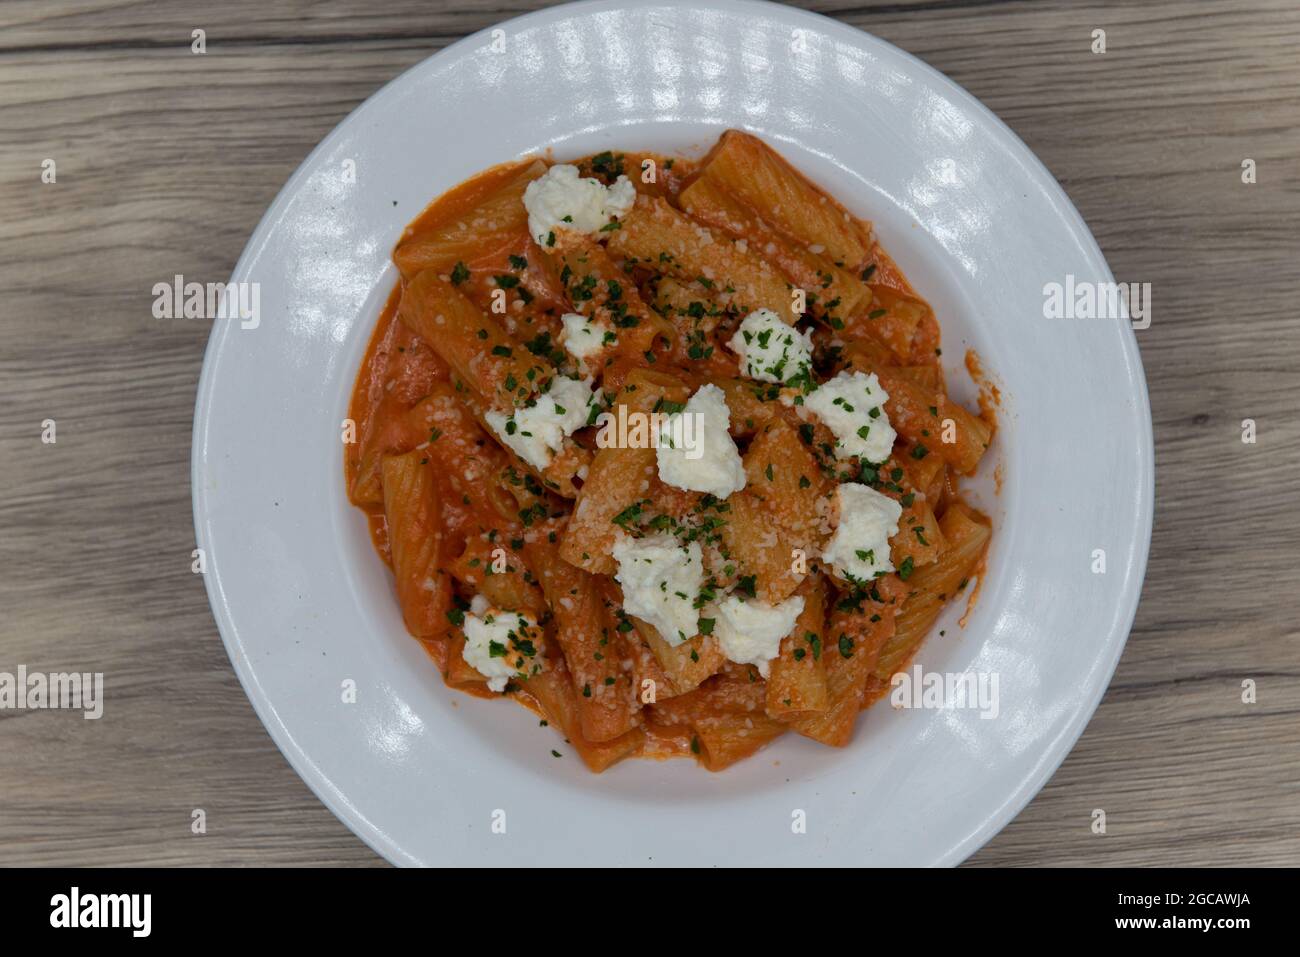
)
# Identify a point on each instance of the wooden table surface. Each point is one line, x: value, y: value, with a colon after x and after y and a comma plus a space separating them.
x: 165, y: 162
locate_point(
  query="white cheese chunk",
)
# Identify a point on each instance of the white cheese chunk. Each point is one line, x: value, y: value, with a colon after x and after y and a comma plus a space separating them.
x: 661, y: 580
x: 769, y: 349
x: 561, y: 199
x: 750, y: 632
x: 852, y: 407
x: 859, y: 549
x: 501, y: 645
x: 537, y: 431
x: 696, y: 452
x: 582, y: 337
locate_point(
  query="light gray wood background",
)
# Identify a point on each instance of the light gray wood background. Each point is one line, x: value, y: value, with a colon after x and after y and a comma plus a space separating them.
x: 166, y: 161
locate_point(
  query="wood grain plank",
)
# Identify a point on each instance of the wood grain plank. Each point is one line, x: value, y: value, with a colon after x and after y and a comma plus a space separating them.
x: 166, y: 162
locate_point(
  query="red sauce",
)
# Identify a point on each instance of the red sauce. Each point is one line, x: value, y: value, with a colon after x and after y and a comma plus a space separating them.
x: 990, y: 399
x: 399, y: 370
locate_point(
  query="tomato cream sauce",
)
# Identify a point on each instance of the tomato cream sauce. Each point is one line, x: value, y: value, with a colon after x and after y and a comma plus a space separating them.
x: 399, y: 370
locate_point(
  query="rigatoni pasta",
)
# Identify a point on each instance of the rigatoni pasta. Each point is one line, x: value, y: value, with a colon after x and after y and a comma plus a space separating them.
x: 670, y: 459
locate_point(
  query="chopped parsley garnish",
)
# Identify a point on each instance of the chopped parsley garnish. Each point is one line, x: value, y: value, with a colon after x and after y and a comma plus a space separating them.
x: 608, y: 165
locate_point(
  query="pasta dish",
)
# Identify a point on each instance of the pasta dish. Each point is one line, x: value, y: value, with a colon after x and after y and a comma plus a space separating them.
x: 662, y: 449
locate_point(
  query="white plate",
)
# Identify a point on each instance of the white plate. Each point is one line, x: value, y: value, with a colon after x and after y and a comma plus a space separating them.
x: 979, y: 226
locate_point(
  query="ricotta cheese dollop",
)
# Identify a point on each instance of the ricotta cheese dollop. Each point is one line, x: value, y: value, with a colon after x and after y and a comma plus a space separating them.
x: 769, y: 349
x: 582, y: 337
x: 537, y: 431
x: 501, y: 645
x: 563, y: 200
x: 695, y: 450
x: 661, y: 581
x: 750, y: 632
x: 859, y: 549
x: 852, y: 407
